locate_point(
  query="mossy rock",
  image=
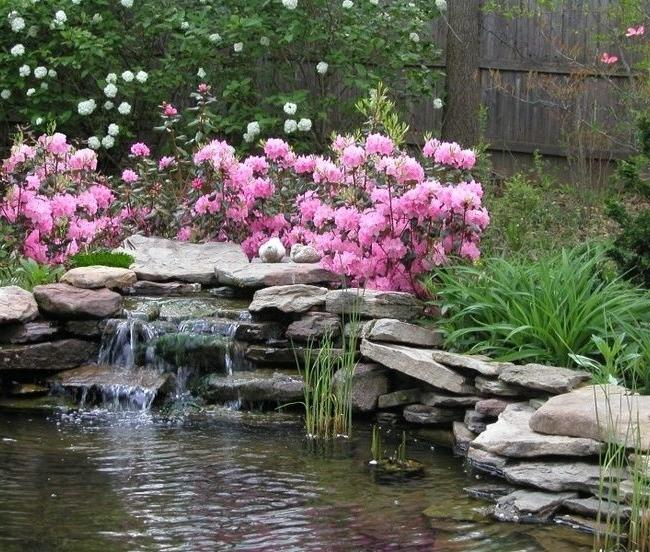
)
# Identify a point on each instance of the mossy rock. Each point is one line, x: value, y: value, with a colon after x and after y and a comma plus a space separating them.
x: 389, y: 470
x: 206, y: 353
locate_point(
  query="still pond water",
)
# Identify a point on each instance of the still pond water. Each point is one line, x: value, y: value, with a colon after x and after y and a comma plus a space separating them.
x: 227, y: 481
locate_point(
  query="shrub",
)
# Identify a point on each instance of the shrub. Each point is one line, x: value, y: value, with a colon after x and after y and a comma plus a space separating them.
x: 68, y: 63
x: 102, y: 258
x: 543, y: 311
x: 27, y: 274
x: 631, y: 248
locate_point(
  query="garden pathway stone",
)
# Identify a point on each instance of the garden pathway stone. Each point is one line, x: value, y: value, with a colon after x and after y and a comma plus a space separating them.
x: 418, y: 364
x: 598, y: 412
x: 392, y: 330
x: 296, y: 298
x: 260, y: 275
x: 370, y: 303
x: 511, y: 436
x: 96, y: 277
x: 16, y: 305
x: 64, y: 301
x: 551, y: 379
x: 162, y: 260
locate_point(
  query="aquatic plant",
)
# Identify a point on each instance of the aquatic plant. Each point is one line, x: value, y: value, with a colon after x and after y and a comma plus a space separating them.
x: 102, y: 258
x: 376, y: 445
x: 624, y: 487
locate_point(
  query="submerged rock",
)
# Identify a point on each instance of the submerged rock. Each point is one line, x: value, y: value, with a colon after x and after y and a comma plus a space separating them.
x: 544, y: 378
x: 605, y: 413
x: 48, y: 356
x: 64, y: 301
x: 288, y: 299
x: 16, y: 305
x: 554, y: 475
x: 511, y: 436
x: 392, y: 330
x: 529, y: 506
x: 96, y: 277
x: 418, y: 364
x: 369, y: 303
x: 253, y: 387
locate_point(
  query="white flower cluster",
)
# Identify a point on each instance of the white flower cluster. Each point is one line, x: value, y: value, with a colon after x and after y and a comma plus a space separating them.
x: 17, y: 50
x: 291, y: 125
x: 322, y: 67
x: 437, y: 103
x: 252, y: 131
x: 441, y: 5
x: 5, y: 94
x: 238, y: 46
x: 16, y: 22
x: 127, y: 3
x: 347, y: 4
x: 290, y: 4
x: 86, y: 107
x: 415, y: 37
x: 60, y: 19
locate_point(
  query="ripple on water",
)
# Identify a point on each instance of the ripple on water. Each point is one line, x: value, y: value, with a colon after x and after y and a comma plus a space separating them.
x: 130, y: 481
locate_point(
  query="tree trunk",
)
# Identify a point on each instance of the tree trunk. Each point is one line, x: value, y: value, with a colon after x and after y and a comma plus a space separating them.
x: 463, y: 84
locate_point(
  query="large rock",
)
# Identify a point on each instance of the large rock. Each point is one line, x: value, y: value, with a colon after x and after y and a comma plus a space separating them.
x: 162, y: 260
x: 463, y: 437
x: 254, y: 387
x: 290, y: 299
x: 554, y: 475
x: 261, y: 275
x: 606, y: 413
x: 163, y: 289
x: 423, y: 414
x: 486, y: 461
x: 392, y: 330
x: 454, y: 401
x: 51, y: 355
x: 16, y: 305
x: 64, y: 301
x: 369, y: 303
x: 368, y: 383
x: 593, y: 507
x: 96, y: 277
x: 491, y: 407
x: 399, y: 398
x: 314, y: 325
x: 544, y: 378
x: 529, y: 506
x: 511, y: 436
x: 476, y: 363
x: 418, y: 364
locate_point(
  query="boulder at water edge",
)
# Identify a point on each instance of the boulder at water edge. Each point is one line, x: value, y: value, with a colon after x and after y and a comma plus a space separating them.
x: 16, y: 305
x: 64, y: 301
x: 369, y: 303
x: 96, y: 277
x: 289, y: 299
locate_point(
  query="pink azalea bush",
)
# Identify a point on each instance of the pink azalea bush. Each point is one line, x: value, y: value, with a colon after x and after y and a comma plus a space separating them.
x: 53, y: 201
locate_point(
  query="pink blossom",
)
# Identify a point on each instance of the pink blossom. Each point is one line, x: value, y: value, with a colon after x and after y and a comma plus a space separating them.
x: 276, y: 149
x: 380, y: 145
x: 639, y: 30
x: 169, y: 110
x: 83, y: 160
x: 353, y: 156
x: 129, y: 176
x: 166, y: 162
x: 608, y: 59
x: 140, y: 150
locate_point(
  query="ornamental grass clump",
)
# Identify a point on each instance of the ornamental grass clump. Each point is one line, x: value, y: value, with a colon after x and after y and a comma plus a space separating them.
x: 544, y: 311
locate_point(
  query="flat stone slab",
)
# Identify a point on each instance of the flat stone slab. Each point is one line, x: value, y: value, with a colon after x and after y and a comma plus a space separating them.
x: 418, y: 364
x: 107, y: 376
x: 162, y: 260
x: 96, y: 277
x: 423, y: 414
x: 16, y: 305
x: 554, y: 475
x: 475, y: 422
x: 314, y: 325
x: 529, y: 506
x: 256, y: 386
x: 391, y: 330
x: 369, y: 303
x: 261, y: 275
x: 592, y: 507
x: 491, y: 407
x: 162, y: 289
x: 499, y: 388
x: 486, y: 461
x: 431, y: 398
x: 64, y: 301
x: 551, y: 379
x: 48, y: 356
x: 295, y: 298
x: 462, y: 437
x: 511, y: 436
x: 477, y: 363
x: 605, y: 413
x: 31, y: 332
x: 399, y: 398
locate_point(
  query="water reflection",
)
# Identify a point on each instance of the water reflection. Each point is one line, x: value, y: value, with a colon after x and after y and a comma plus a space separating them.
x: 128, y: 481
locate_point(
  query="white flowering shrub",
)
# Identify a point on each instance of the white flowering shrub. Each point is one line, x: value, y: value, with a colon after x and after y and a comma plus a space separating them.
x: 276, y: 66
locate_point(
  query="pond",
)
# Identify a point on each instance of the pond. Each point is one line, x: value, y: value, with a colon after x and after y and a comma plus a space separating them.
x: 97, y: 480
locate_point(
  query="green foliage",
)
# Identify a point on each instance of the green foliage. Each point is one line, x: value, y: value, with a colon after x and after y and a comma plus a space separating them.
x: 545, y: 311
x: 102, y: 258
x: 257, y: 54
x: 28, y: 274
x: 631, y: 248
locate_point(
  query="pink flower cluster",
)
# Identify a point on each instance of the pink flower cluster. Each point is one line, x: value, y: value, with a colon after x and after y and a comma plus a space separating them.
x: 53, y: 199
